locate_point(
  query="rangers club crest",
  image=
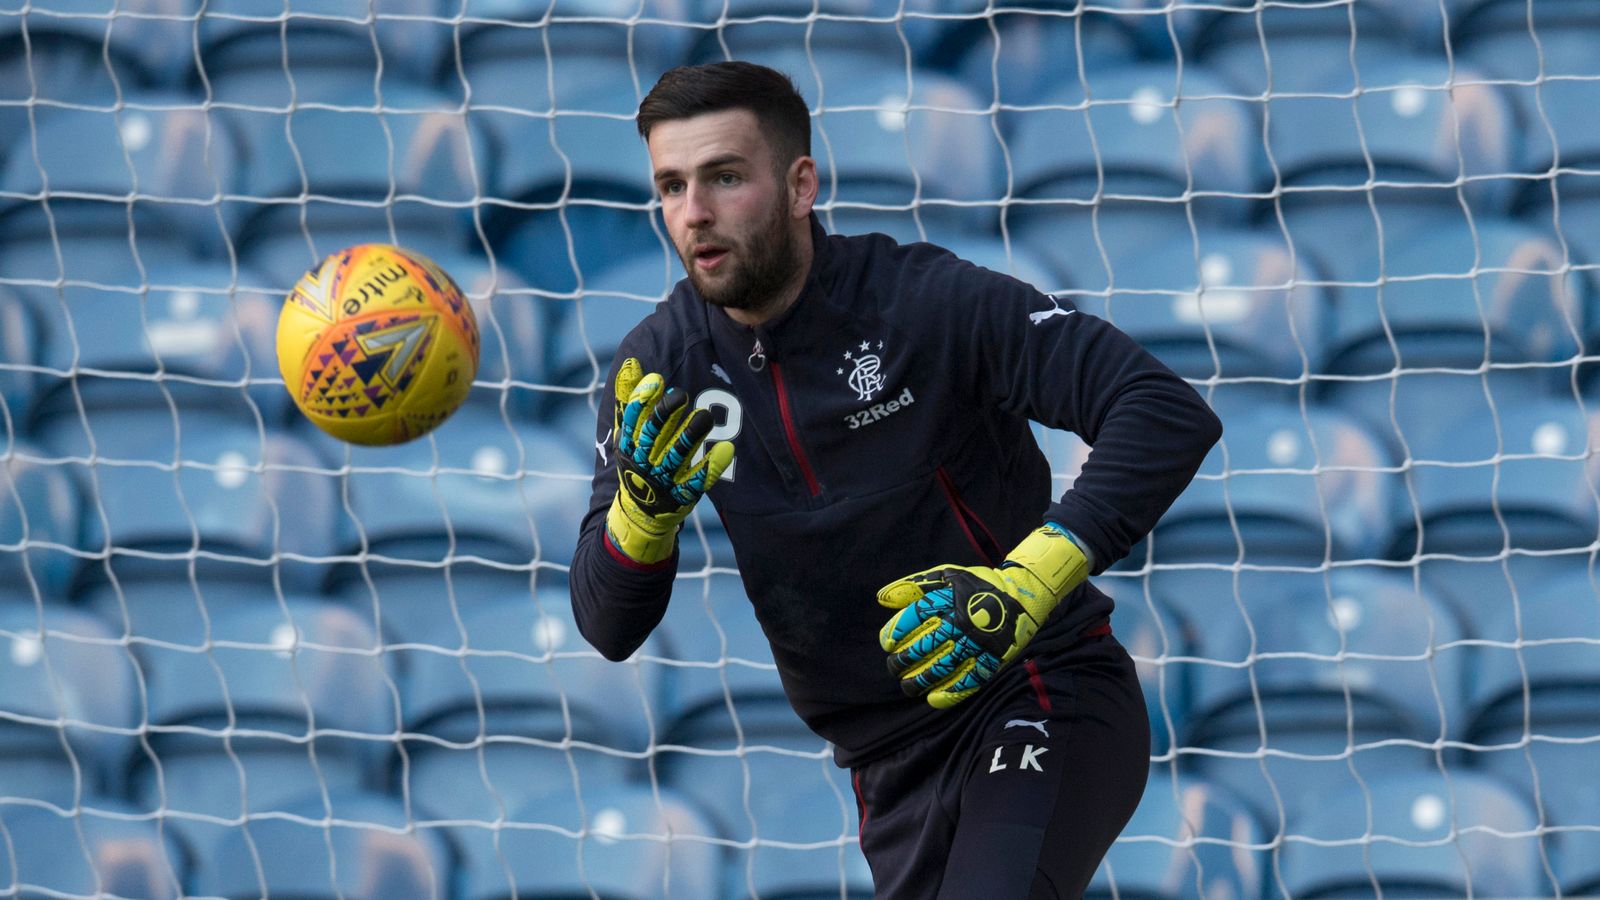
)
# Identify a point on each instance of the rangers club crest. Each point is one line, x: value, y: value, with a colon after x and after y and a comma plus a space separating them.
x: 866, y: 378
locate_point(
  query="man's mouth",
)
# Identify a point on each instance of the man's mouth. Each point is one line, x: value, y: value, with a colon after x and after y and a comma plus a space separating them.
x: 709, y: 256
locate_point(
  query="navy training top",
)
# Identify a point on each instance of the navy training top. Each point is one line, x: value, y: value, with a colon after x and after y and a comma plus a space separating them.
x: 880, y: 427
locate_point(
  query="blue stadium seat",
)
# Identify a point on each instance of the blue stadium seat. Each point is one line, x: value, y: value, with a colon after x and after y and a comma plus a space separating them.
x: 1579, y: 215
x: 270, y: 54
x: 489, y: 781
x: 1533, y: 714
x: 1038, y: 47
x: 82, y: 51
x: 531, y: 58
x: 535, y: 677
x: 1416, y: 834
x: 813, y: 43
x: 1300, y: 484
x: 1306, y: 43
x: 1111, y: 169
x: 1134, y: 117
x: 1579, y: 218
x: 730, y: 776
x: 90, y: 243
x: 240, y: 496
x: 1555, y: 61
x: 577, y: 190
x: 419, y: 147
x: 1420, y: 126
x: 711, y: 629
x: 41, y: 505
x: 612, y: 303
x: 810, y: 804
x: 415, y: 599
x: 1527, y: 467
x: 1577, y: 860
x: 354, y: 845
x: 489, y: 496
x: 66, y: 68
x: 1458, y: 300
x: 731, y: 729
x: 1188, y: 839
x: 161, y: 158
x: 19, y: 338
x: 628, y: 842
x: 166, y: 604
x: 68, y: 703
x: 269, y: 702
x: 1234, y: 305
x: 1362, y: 659
x: 1153, y: 632
x: 888, y: 137
x: 513, y: 332
x: 145, y: 348
x: 95, y: 850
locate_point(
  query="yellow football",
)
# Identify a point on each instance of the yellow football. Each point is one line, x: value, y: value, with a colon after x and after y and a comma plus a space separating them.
x: 377, y: 345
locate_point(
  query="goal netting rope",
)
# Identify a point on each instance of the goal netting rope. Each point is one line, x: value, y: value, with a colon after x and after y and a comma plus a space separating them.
x: 238, y: 658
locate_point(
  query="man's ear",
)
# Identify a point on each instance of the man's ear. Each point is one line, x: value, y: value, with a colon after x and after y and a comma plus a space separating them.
x: 802, y: 184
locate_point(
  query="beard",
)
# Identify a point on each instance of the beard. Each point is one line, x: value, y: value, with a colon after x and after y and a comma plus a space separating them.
x: 758, y: 266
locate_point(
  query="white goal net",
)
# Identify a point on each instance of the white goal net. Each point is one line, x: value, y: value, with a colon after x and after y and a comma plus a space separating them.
x: 238, y: 658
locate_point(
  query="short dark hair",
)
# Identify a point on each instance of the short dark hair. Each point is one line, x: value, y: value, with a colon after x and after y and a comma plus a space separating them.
x: 688, y: 91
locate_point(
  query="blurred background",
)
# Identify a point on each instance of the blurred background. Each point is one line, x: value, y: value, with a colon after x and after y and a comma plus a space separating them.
x: 239, y: 659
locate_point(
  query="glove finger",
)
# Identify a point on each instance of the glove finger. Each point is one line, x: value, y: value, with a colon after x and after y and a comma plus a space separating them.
x: 924, y: 649
x: 646, y: 392
x: 914, y: 621
x: 964, y: 683
x: 718, y: 458
x: 941, y: 667
x: 703, y: 476
x: 628, y: 375
x: 661, y: 421
x: 911, y: 628
x: 683, y: 441
x: 910, y: 589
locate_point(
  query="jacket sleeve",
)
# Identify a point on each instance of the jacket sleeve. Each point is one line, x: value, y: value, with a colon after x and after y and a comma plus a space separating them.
x: 1037, y: 356
x: 617, y: 602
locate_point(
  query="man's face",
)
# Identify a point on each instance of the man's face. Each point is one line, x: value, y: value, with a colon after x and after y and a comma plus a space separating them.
x: 726, y: 207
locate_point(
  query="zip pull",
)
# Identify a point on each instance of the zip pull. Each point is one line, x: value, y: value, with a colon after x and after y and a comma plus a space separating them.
x: 758, y: 357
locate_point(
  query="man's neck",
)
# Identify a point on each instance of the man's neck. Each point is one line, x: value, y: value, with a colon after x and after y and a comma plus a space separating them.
x: 784, y: 298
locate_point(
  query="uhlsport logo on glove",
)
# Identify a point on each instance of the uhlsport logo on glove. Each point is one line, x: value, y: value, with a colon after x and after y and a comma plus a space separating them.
x: 986, y: 612
x: 639, y: 488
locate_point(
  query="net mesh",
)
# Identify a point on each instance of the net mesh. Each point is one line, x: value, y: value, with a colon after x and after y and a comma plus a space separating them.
x: 238, y: 658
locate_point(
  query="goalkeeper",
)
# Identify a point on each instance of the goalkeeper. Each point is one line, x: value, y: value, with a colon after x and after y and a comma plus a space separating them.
x: 890, y: 512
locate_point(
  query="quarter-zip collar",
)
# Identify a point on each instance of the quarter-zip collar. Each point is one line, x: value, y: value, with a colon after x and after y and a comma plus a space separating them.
x: 795, y: 326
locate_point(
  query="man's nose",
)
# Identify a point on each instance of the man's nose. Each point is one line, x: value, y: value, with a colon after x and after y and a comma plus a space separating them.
x: 696, y: 208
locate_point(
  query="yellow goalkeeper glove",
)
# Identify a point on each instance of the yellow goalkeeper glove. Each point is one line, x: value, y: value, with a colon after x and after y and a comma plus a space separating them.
x: 959, y: 625
x: 656, y: 436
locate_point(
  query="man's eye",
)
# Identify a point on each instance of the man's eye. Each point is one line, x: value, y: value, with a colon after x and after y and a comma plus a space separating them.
x: 672, y: 187
x: 727, y: 178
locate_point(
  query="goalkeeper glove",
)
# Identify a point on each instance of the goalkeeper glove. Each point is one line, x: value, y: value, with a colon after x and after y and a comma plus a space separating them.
x: 656, y: 436
x: 958, y: 625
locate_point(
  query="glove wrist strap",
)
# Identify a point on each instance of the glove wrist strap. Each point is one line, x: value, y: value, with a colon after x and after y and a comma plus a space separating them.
x: 1053, y: 558
x: 640, y: 543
